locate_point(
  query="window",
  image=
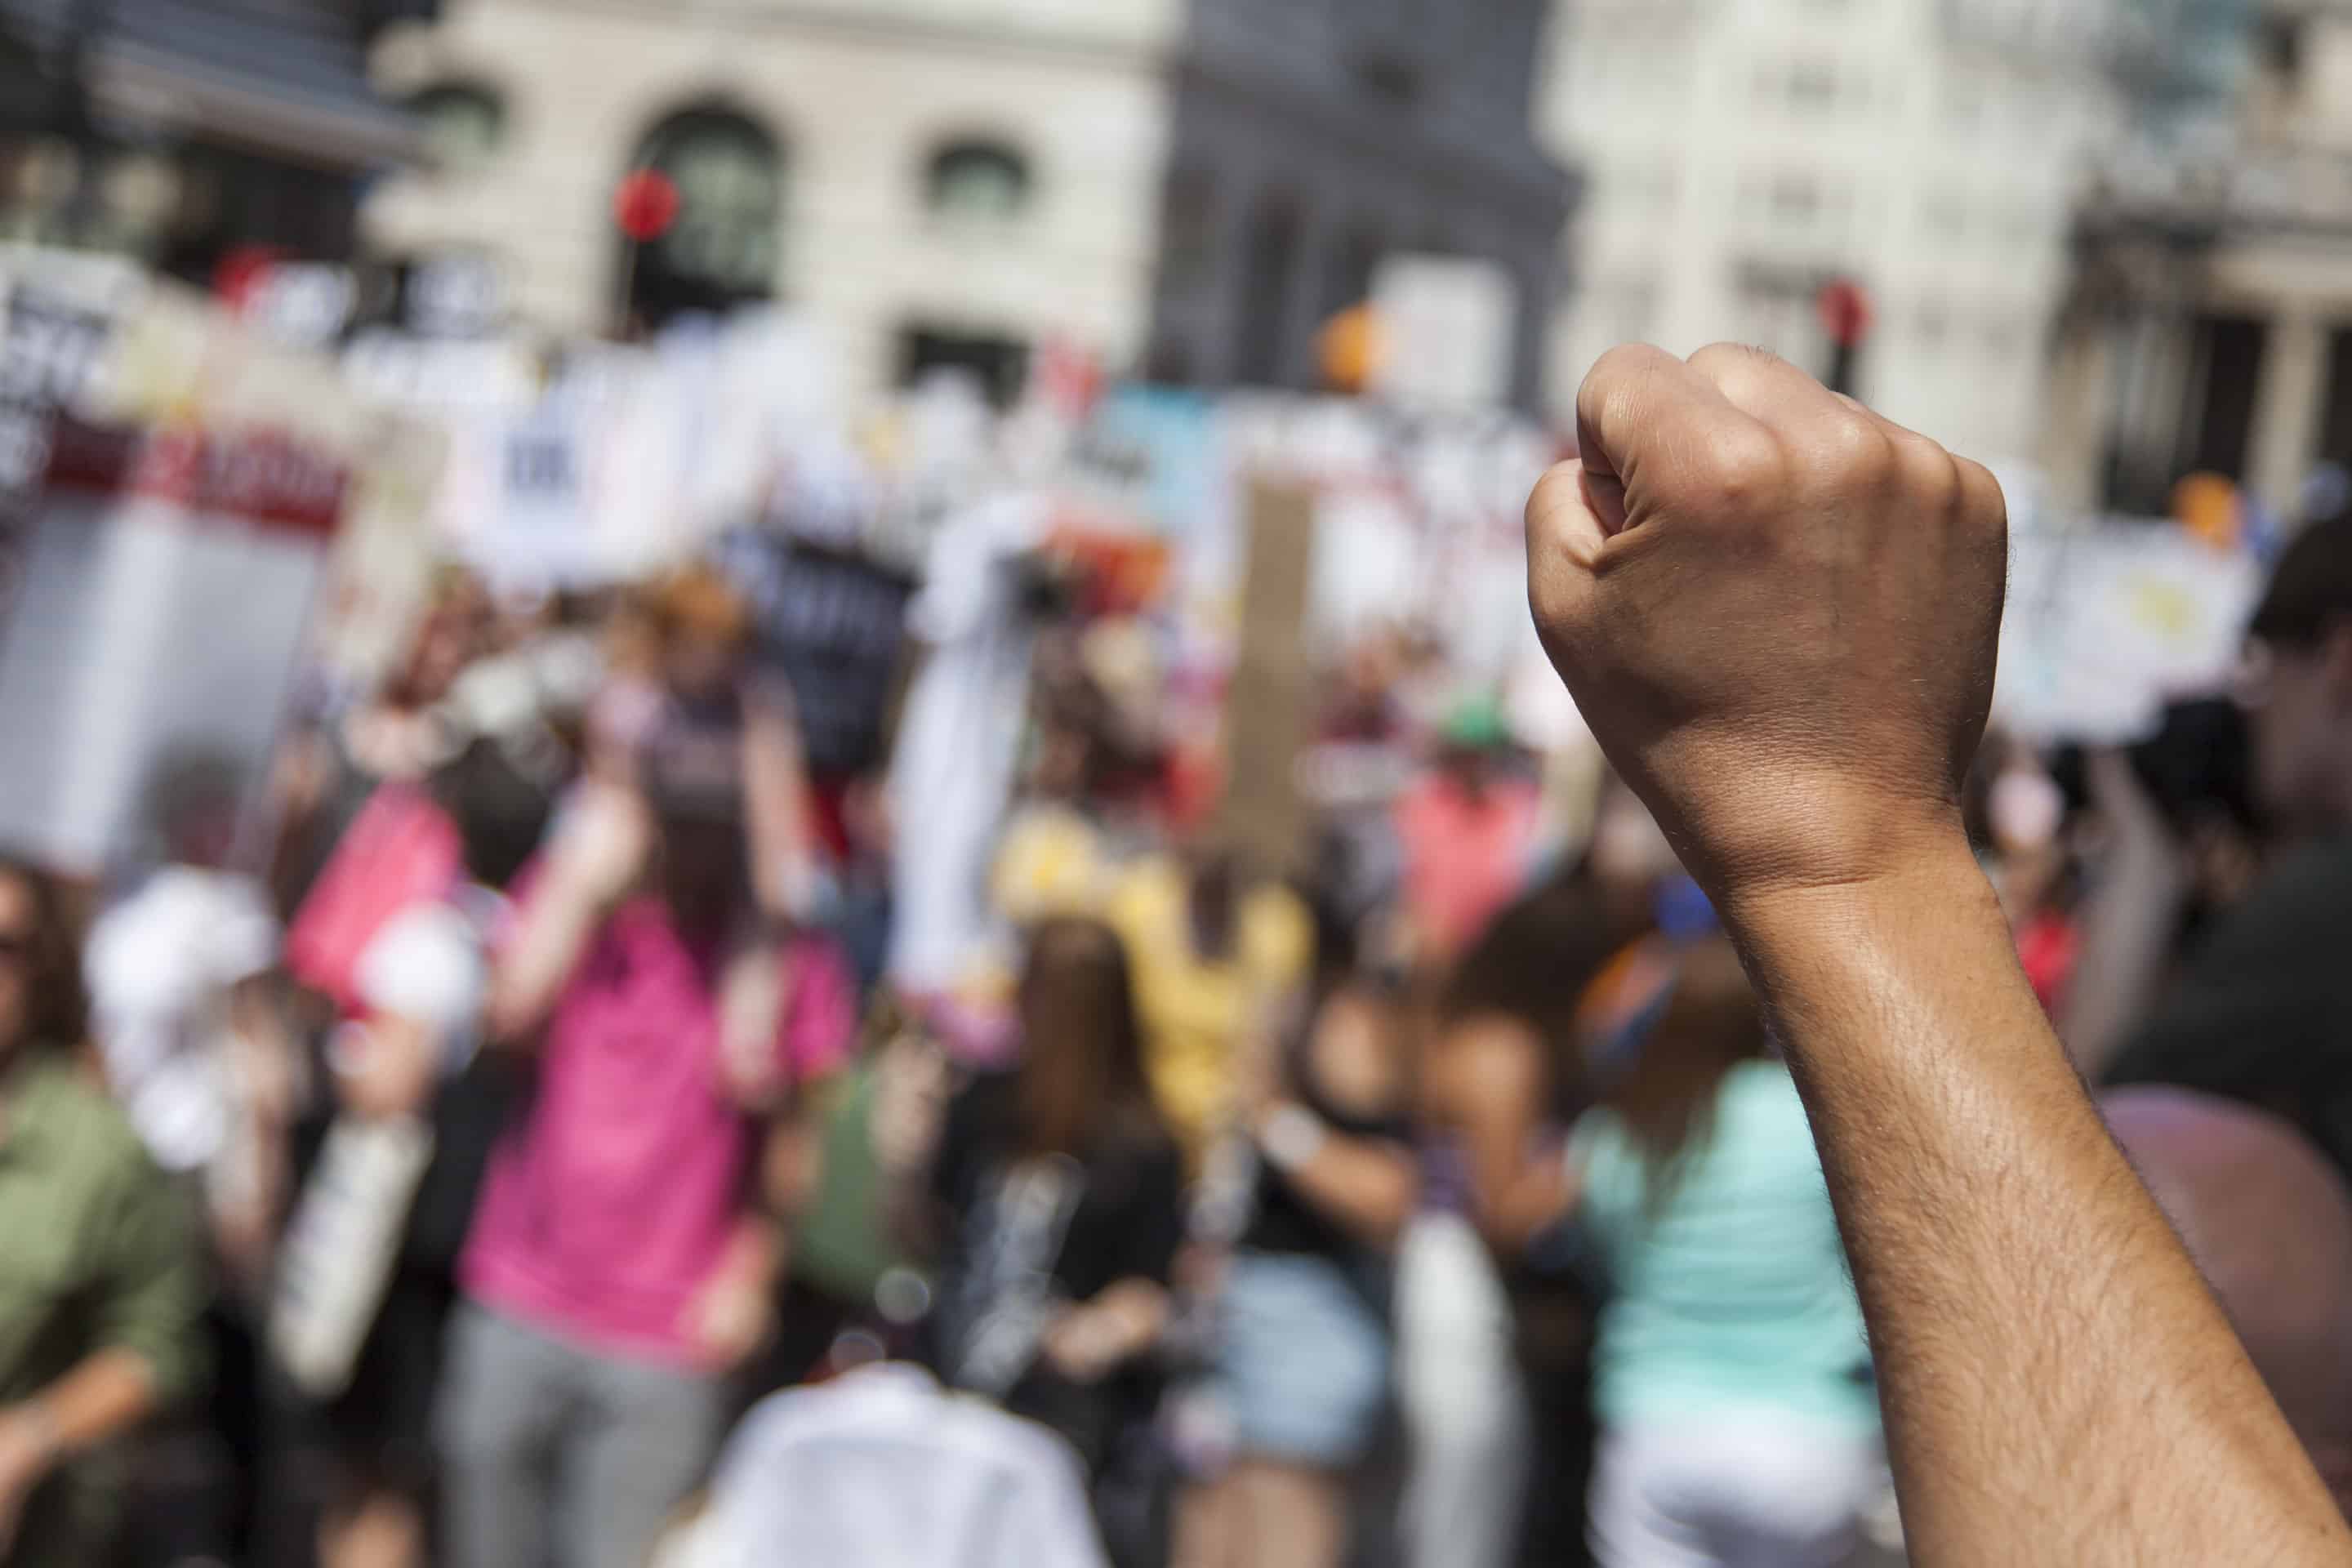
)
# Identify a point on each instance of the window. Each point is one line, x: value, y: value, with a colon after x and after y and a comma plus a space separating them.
x: 1772, y: 307
x: 998, y: 366
x: 2278, y: 42
x: 1812, y: 86
x: 1795, y: 198
x: 462, y: 123
x: 724, y: 248
x: 1350, y: 259
x: 977, y: 181
x: 1188, y: 253
x: 1263, y: 317
x: 2005, y: 337
x: 1629, y: 306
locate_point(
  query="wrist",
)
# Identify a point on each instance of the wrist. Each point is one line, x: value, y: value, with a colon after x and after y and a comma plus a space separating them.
x: 1930, y: 865
x: 1289, y: 1135
x: 37, y: 1426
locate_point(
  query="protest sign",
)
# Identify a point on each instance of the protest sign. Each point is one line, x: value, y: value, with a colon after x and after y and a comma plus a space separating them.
x: 168, y: 575
x: 831, y: 624
x: 2107, y: 622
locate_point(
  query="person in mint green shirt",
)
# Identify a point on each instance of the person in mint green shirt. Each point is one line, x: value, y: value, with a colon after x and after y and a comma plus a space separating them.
x: 1731, y: 1375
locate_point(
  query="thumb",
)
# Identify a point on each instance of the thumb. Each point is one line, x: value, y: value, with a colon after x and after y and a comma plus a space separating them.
x: 1571, y: 515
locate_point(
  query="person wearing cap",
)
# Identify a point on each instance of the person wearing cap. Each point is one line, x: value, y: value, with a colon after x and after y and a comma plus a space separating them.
x: 1468, y: 829
x: 2261, y: 1012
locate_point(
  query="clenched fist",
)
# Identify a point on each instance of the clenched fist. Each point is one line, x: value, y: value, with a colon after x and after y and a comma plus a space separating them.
x: 1777, y: 610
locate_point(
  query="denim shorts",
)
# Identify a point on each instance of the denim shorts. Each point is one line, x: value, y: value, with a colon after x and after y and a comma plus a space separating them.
x: 1302, y: 1359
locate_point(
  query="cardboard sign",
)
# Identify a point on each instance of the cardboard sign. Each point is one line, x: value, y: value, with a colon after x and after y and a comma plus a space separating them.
x: 1267, y: 709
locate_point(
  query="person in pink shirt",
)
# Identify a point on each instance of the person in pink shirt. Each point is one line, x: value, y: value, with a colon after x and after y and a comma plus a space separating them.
x: 621, y: 1264
x: 1467, y: 829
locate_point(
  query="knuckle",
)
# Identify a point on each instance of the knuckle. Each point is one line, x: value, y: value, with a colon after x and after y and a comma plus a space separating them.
x: 1980, y: 498
x: 1740, y: 461
x: 1728, y: 355
x: 1740, y: 371
x: 1930, y: 474
x: 1858, y: 449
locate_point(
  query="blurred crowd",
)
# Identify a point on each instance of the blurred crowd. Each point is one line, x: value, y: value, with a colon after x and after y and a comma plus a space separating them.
x: 599, y: 1138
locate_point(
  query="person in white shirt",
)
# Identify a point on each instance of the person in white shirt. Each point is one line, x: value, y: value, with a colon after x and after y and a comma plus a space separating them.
x: 883, y: 1468
x: 183, y: 1014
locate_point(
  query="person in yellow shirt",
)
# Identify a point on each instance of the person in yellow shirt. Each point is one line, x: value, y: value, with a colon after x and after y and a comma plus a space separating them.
x: 1215, y: 958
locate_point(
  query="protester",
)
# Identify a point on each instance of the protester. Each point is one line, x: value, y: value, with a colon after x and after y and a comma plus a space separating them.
x: 1468, y: 831
x: 2270, y: 1225
x: 1835, y: 586
x: 1056, y: 1207
x: 1216, y: 956
x: 330, y: 770
x: 186, y: 1019
x: 100, y: 1286
x: 2263, y: 1009
x: 1732, y: 1378
x: 1496, y: 1325
x: 822, y: 1478
x: 368, y: 1276
x: 1302, y: 1342
x: 620, y: 1266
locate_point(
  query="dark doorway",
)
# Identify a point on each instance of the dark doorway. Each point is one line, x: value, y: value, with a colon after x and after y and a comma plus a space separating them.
x: 1269, y: 259
x: 2225, y: 369
x: 2336, y: 412
x: 1001, y: 365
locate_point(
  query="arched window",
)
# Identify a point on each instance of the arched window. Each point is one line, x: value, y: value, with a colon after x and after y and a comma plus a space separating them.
x: 977, y: 181
x: 724, y: 248
x: 464, y: 123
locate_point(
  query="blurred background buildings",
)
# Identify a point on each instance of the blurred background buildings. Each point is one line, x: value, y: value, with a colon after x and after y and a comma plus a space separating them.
x: 2103, y: 237
x: 1191, y: 188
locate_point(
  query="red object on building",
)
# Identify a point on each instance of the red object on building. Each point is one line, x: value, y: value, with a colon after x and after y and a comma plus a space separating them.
x: 646, y: 204
x: 1845, y: 307
x: 241, y: 271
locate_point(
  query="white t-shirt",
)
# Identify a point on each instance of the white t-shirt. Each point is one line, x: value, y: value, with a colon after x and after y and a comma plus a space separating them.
x: 427, y: 963
x: 160, y: 965
x: 828, y: 1476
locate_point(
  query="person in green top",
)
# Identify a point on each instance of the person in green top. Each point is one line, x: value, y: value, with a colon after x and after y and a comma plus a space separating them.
x: 99, y: 1290
x: 1731, y: 1375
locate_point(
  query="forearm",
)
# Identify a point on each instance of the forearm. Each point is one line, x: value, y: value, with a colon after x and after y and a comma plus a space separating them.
x: 1514, y: 1199
x: 1128, y: 1316
x: 555, y: 935
x: 102, y: 1397
x: 2058, y: 1384
x: 2125, y: 933
x: 776, y: 795
x: 1365, y: 1184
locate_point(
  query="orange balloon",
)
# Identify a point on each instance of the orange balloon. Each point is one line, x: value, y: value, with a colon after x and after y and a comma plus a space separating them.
x: 2206, y: 506
x: 1350, y: 347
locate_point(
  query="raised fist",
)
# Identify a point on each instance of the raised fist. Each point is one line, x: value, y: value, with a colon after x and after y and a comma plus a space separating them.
x: 1777, y: 610
x: 605, y: 845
